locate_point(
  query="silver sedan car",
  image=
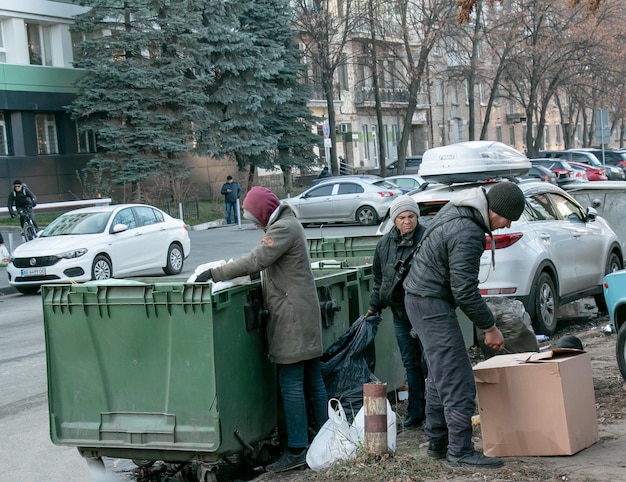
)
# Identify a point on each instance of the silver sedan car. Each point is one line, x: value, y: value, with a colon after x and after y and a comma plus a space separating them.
x: 343, y: 199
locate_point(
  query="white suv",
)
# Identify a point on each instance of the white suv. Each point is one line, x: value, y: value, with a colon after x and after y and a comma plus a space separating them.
x: 556, y: 253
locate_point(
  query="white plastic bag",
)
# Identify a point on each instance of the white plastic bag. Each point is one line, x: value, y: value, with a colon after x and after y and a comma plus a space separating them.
x: 218, y: 285
x: 336, y: 440
x: 392, y: 431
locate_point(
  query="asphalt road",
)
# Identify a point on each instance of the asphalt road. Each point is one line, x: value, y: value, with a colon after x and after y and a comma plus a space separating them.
x: 214, y: 244
x: 26, y: 451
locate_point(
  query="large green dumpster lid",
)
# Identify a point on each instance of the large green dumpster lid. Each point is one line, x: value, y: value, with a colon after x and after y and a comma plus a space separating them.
x: 343, y: 246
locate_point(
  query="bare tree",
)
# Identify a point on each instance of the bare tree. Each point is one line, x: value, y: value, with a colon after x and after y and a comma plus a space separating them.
x: 324, y: 27
x: 421, y: 24
x: 554, y: 40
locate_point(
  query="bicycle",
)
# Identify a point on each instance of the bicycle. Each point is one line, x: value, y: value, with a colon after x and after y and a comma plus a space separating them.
x: 28, y: 225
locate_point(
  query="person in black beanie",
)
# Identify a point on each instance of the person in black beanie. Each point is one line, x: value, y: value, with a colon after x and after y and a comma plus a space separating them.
x: 442, y: 277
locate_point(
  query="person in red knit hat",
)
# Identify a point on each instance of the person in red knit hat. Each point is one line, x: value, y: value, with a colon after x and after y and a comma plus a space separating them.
x: 294, y: 331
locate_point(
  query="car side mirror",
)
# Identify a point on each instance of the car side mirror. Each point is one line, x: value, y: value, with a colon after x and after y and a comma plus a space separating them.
x: 118, y: 228
x: 592, y: 214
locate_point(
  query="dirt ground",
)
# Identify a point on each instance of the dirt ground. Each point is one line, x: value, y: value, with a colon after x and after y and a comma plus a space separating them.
x: 603, y: 461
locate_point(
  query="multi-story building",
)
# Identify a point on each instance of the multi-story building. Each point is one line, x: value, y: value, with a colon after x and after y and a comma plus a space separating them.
x: 39, y: 143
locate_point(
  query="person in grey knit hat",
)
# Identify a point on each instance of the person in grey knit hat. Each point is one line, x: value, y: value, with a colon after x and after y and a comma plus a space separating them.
x: 397, y: 246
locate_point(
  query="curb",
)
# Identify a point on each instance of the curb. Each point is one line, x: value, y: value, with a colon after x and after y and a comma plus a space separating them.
x: 220, y: 223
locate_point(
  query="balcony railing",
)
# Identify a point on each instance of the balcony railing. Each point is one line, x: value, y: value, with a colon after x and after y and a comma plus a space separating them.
x: 364, y: 95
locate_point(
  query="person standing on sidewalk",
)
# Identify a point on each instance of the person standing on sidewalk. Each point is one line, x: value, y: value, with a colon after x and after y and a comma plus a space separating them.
x: 294, y: 330
x: 444, y: 275
x: 396, y: 247
x: 231, y: 191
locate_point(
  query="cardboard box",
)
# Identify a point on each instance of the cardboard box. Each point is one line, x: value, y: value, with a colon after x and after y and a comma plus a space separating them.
x: 536, y: 403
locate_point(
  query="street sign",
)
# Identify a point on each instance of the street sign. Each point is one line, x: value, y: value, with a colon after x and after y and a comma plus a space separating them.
x: 328, y: 142
x: 326, y: 129
x: 603, y: 131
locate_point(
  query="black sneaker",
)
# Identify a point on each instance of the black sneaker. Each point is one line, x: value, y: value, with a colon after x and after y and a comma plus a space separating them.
x: 438, y: 448
x: 288, y: 461
x: 412, y: 423
x: 473, y: 459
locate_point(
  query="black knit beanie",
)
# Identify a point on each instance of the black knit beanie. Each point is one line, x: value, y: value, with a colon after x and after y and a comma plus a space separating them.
x: 507, y: 200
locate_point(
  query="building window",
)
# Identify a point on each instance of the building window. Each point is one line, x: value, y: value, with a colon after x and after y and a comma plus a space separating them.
x: 4, y: 138
x: 558, y: 135
x: 47, y: 134
x: 512, y: 136
x: 86, y: 140
x: 499, y: 133
x: 38, y: 44
x: 342, y: 72
x: 547, y: 135
x: 366, y: 143
x: 3, y: 50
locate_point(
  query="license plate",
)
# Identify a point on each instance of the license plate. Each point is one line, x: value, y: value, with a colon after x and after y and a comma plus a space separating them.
x: 33, y: 272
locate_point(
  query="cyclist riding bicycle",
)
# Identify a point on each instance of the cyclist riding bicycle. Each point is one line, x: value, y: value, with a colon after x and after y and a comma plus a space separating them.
x: 22, y: 198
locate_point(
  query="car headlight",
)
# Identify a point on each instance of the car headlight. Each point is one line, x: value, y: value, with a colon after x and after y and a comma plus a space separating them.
x: 75, y: 253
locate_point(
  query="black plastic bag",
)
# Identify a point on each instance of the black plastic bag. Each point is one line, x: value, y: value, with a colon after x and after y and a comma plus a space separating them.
x: 350, y: 362
x: 514, y: 323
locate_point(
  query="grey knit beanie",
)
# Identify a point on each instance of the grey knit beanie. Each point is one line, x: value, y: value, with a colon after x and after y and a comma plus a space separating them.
x: 401, y: 204
x: 507, y: 200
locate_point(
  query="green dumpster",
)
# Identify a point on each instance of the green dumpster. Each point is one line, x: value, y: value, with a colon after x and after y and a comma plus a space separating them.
x: 157, y: 372
x: 158, y: 369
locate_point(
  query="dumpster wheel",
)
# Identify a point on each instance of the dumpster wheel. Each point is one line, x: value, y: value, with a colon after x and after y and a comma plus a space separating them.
x: 144, y: 464
x: 206, y: 473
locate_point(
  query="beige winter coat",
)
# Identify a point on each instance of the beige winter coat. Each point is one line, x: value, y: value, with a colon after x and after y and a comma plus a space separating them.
x: 294, y: 331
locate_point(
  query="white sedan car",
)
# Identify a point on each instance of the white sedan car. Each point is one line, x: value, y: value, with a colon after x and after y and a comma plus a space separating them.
x: 557, y: 252
x: 99, y: 243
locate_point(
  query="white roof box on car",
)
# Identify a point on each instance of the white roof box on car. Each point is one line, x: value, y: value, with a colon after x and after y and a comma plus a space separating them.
x: 472, y: 161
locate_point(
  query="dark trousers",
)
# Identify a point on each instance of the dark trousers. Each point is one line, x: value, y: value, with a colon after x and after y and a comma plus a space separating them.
x: 450, y: 388
x: 231, y: 207
x: 411, y: 352
x: 299, y: 382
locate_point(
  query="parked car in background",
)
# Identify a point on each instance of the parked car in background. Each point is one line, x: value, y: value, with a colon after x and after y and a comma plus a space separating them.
x: 580, y: 174
x: 406, y: 182
x: 369, y: 177
x: 584, y: 157
x: 541, y: 172
x: 593, y: 173
x: 345, y: 199
x: 555, y: 253
x: 612, y: 157
x: 411, y: 166
x: 99, y: 243
x: 615, y: 297
x: 563, y: 171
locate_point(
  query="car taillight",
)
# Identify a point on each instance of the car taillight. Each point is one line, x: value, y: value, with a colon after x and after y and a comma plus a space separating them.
x: 386, y: 193
x: 503, y: 240
x: 498, y: 291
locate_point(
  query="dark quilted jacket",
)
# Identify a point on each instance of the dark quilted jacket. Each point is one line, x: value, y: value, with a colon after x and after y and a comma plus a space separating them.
x: 448, y: 262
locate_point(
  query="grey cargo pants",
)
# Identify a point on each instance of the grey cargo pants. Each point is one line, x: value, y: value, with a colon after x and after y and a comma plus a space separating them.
x: 450, y: 388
